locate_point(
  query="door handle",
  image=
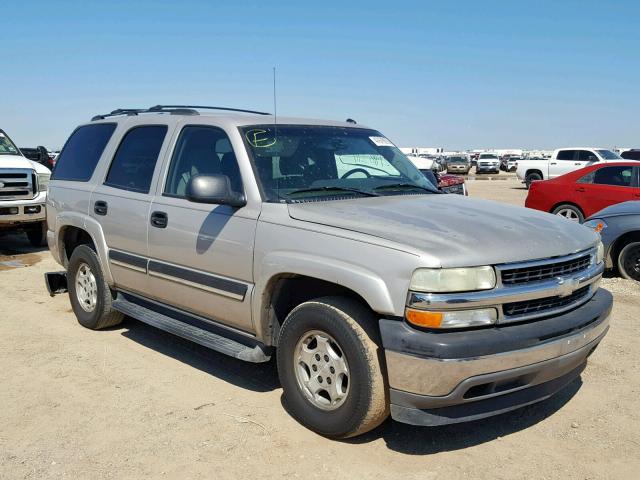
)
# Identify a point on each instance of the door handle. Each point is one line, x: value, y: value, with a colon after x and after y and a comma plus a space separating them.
x: 553, y: 163
x: 577, y: 163
x: 580, y: 189
x: 100, y: 207
x: 159, y: 219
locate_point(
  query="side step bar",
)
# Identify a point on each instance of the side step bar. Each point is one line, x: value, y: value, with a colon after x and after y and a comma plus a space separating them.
x: 255, y: 353
x: 56, y: 282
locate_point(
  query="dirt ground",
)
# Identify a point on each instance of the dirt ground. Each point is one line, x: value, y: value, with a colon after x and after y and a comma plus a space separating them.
x: 134, y: 402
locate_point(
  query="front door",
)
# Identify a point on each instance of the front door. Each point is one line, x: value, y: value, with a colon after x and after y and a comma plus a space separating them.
x: 201, y: 255
x: 566, y: 161
x: 605, y: 186
x: 121, y: 204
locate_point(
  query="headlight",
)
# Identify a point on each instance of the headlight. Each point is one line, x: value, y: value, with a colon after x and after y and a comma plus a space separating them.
x: 599, y: 253
x: 432, y: 280
x: 452, y: 319
x: 596, y: 225
x: 43, y: 181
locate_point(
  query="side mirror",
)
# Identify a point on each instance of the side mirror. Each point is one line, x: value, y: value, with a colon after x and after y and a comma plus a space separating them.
x: 593, y: 158
x: 213, y: 189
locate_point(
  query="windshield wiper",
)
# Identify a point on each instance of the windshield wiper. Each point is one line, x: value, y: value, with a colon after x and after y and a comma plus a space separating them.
x: 400, y: 186
x: 327, y: 189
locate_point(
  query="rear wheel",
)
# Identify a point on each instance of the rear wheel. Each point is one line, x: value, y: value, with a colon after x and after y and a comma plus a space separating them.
x: 89, y: 293
x: 629, y: 261
x: 331, y: 367
x: 570, y: 212
x: 532, y: 177
x: 37, y: 235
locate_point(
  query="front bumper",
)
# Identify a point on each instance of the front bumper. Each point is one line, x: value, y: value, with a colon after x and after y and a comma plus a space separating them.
x: 437, y: 378
x: 15, y: 212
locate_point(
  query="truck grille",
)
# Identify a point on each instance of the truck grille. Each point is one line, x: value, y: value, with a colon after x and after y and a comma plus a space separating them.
x: 16, y: 184
x: 543, y: 304
x: 544, y: 272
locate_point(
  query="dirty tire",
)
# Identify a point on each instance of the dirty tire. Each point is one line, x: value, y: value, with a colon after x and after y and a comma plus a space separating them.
x: 102, y: 315
x: 354, y: 328
x: 629, y: 261
x: 37, y: 235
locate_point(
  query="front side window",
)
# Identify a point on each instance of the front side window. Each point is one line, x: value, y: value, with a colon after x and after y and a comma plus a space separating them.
x: 616, y: 176
x: 566, y: 155
x: 201, y: 150
x: 608, y: 155
x: 81, y: 153
x: 134, y: 162
x: 7, y: 147
x: 301, y: 162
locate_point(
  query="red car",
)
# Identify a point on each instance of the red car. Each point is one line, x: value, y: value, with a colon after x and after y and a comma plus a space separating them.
x: 579, y: 194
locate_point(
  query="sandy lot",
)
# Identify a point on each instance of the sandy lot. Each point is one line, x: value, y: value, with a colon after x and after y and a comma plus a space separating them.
x: 134, y: 402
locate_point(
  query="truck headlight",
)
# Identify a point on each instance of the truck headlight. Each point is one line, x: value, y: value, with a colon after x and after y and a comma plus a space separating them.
x: 595, y: 225
x: 599, y: 253
x: 43, y: 181
x: 452, y: 319
x: 440, y: 280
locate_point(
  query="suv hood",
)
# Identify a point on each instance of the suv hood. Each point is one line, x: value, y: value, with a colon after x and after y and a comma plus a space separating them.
x: 455, y: 230
x: 18, y: 161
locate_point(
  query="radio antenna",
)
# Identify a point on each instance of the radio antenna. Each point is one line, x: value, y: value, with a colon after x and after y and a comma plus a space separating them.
x: 275, y: 108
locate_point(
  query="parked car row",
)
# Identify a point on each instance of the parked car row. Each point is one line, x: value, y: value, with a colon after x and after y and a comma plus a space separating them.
x: 320, y: 244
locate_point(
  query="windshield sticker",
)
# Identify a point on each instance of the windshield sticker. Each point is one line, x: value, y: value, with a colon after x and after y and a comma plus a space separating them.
x: 381, y: 142
x: 259, y: 138
x: 1, y: 135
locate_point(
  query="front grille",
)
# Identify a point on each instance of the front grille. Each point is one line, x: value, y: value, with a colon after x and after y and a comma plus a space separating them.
x: 543, y: 304
x: 17, y: 184
x: 546, y: 271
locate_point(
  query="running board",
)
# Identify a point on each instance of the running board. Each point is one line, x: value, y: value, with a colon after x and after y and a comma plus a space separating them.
x: 219, y: 343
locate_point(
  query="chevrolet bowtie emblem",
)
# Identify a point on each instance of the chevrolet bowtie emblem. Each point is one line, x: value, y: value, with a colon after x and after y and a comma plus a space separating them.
x: 566, y: 286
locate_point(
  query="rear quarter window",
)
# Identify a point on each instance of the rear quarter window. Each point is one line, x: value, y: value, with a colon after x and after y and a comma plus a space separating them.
x: 81, y: 153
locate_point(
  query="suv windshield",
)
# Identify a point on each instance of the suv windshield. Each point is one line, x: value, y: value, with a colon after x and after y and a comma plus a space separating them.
x: 299, y: 162
x: 609, y: 155
x: 457, y: 160
x: 489, y: 156
x: 7, y: 147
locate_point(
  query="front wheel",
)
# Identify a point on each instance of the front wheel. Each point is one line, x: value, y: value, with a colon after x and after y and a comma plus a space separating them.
x: 331, y: 367
x: 629, y: 261
x: 37, y: 235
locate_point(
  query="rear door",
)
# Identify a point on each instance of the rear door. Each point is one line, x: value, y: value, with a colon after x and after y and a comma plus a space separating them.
x: 121, y: 203
x: 606, y: 186
x: 566, y: 161
x: 201, y: 255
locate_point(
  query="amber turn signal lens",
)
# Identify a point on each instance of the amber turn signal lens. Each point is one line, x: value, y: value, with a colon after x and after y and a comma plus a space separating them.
x: 424, y: 319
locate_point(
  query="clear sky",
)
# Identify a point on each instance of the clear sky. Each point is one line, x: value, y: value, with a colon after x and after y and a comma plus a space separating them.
x: 459, y: 74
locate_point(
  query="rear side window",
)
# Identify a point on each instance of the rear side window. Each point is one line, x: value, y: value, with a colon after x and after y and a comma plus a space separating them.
x: 616, y: 176
x: 587, y: 156
x: 81, y: 153
x: 134, y: 162
x: 631, y: 155
x: 566, y: 154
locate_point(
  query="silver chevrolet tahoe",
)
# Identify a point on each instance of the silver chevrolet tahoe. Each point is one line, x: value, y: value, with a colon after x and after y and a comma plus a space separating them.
x: 320, y: 243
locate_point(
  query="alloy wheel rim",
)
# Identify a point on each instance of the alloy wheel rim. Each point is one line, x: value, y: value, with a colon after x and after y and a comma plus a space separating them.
x: 568, y: 214
x: 86, y: 288
x: 321, y: 370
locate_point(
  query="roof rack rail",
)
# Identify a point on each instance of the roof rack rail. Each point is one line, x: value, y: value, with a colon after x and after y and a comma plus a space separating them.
x: 171, y: 109
x: 160, y: 108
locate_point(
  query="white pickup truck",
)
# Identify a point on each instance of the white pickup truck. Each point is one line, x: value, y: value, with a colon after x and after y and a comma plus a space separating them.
x: 23, y: 193
x: 563, y: 160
